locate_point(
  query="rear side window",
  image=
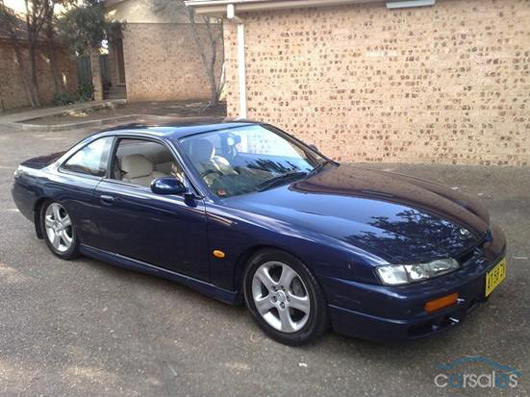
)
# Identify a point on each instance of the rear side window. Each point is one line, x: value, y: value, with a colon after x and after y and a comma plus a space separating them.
x: 91, y: 159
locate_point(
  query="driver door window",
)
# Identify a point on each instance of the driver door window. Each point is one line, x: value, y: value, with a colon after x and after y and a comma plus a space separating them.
x: 140, y: 162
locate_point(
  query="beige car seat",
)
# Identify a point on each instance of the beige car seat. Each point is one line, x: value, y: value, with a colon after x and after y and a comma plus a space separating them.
x: 139, y: 170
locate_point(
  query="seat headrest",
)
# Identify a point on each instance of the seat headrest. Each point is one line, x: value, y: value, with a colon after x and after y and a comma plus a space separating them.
x: 136, y: 166
x: 201, y: 151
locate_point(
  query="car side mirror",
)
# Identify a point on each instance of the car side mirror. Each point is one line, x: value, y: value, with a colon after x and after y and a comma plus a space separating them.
x: 314, y: 147
x: 168, y: 186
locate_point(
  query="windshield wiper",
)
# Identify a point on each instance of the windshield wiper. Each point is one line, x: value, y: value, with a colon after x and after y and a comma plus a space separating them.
x: 319, y: 167
x: 279, y: 179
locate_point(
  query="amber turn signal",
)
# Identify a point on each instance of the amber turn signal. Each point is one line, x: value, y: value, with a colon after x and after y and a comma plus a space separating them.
x: 440, y: 303
x: 219, y: 254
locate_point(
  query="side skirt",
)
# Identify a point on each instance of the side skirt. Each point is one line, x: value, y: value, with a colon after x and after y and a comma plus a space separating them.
x: 230, y: 297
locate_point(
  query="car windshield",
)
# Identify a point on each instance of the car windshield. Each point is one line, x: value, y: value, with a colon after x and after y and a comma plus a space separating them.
x: 243, y: 159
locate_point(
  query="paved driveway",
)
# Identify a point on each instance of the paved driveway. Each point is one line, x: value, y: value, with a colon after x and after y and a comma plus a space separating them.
x: 86, y: 328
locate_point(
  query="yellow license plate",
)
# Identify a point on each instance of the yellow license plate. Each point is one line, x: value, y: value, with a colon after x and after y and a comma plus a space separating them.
x: 495, y: 276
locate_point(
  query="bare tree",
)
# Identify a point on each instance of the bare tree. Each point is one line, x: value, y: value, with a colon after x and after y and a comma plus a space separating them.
x: 207, y: 35
x: 37, y: 13
x: 208, y: 53
x: 51, y: 48
x: 11, y: 22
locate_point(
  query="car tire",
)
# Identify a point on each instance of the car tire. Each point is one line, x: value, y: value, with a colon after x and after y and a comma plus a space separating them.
x: 289, y: 307
x: 58, y: 230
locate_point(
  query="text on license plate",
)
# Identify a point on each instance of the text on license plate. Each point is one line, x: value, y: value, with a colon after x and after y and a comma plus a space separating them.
x: 495, y: 276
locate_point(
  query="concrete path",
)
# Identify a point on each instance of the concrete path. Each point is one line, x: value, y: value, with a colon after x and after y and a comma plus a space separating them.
x: 60, y: 110
x: 104, y: 114
x: 104, y: 122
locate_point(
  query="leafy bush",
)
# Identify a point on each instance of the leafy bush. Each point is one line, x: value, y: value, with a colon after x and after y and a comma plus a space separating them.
x: 84, y: 26
x: 62, y: 99
x: 86, y: 91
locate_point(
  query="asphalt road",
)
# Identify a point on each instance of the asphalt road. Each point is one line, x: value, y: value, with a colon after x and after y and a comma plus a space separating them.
x: 87, y: 328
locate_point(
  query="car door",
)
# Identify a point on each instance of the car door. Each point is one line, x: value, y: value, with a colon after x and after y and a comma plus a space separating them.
x: 164, y: 230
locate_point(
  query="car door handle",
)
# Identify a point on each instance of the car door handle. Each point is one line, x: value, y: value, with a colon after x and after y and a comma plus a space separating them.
x: 106, y: 199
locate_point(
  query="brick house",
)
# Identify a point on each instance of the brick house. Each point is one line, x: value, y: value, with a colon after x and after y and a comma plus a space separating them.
x: 156, y: 57
x: 420, y: 81
x: 12, y: 92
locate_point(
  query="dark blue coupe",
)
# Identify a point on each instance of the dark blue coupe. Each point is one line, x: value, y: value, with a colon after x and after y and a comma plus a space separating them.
x: 243, y: 211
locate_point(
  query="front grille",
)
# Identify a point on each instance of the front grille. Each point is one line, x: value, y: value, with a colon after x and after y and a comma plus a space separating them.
x: 473, y: 249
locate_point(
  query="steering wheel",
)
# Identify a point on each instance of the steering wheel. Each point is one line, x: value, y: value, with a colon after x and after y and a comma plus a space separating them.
x: 208, y: 172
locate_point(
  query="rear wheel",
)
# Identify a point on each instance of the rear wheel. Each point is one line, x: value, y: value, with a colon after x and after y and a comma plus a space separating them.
x: 59, y: 231
x: 285, y: 298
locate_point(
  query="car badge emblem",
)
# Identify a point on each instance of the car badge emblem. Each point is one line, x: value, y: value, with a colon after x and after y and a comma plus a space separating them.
x: 464, y: 232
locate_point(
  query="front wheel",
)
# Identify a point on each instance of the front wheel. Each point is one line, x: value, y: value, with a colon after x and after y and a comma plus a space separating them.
x: 284, y: 298
x: 59, y: 231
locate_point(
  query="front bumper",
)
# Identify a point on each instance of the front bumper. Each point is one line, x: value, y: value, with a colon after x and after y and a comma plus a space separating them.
x: 392, y: 314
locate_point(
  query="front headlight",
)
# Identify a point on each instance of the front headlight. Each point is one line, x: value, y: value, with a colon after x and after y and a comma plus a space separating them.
x: 19, y: 171
x: 406, y: 274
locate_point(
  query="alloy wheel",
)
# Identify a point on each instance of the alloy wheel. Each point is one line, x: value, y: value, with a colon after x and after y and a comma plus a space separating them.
x: 58, y: 227
x: 281, y: 297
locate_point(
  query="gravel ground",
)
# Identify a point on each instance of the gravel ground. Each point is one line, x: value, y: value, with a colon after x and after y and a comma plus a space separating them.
x: 87, y: 328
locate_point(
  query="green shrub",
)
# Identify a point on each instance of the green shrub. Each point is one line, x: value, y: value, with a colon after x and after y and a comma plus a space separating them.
x: 62, y: 99
x: 86, y: 92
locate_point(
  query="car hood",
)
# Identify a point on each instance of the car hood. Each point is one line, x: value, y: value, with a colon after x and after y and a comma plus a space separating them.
x: 399, y: 218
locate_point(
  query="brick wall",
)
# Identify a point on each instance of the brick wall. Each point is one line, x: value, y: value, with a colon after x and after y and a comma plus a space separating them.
x: 448, y: 84
x: 12, y: 93
x: 163, y: 63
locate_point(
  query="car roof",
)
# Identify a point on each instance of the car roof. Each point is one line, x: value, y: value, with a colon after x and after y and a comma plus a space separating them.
x: 178, y: 129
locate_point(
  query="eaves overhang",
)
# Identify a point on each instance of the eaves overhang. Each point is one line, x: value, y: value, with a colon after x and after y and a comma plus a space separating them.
x: 218, y: 7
